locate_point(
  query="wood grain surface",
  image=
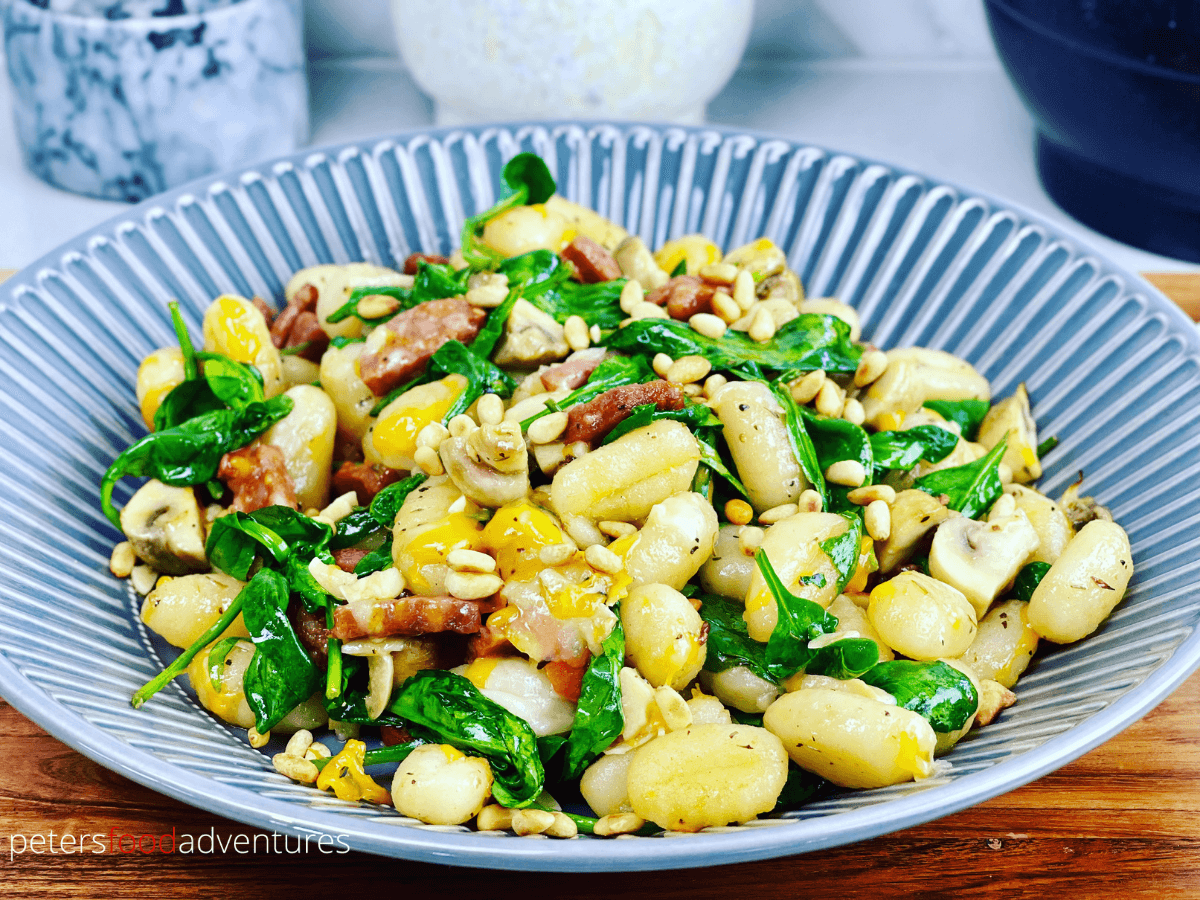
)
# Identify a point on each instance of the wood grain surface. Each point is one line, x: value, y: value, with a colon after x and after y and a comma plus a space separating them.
x: 1124, y: 820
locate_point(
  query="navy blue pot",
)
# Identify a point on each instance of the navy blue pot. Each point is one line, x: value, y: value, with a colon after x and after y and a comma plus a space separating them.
x: 1114, y: 88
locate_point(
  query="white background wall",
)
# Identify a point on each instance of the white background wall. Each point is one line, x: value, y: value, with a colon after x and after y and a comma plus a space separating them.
x: 793, y: 29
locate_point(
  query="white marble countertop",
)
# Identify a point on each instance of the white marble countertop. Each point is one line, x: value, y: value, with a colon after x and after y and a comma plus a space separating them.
x: 955, y: 120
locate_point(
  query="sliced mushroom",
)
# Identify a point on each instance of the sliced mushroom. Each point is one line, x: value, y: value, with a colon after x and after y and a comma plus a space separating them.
x: 993, y: 699
x: 636, y: 261
x: 1048, y: 520
x: 1011, y: 416
x: 489, y: 465
x: 761, y: 258
x: 915, y: 375
x: 980, y: 558
x: 164, y: 525
x: 531, y: 337
x: 1081, y: 510
x: 379, y: 683
x: 914, y: 515
x: 782, y: 286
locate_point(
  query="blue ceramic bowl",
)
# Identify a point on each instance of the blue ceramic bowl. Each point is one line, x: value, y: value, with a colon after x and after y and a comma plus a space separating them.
x: 1112, y: 367
x: 1114, y: 89
x: 122, y: 99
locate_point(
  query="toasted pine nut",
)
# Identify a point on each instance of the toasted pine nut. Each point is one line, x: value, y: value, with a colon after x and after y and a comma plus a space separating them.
x: 603, y: 559
x: 295, y: 767
x: 853, y: 412
x: 555, y: 554
x: 805, y: 389
x: 467, y: 586
x: 688, y: 369
x: 810, y: 501
x: 433, y: 434
x: 494, y: 818
x: 864, y: 496
x: 726, y: 307
x: 317, y: 751
x: 490, y: 409
x: 830, y: 400
x: 646, y: 310
x: 487, y: 289
x: 722, y: 272
x: 256, y: 738
x: 531, y: 821
x: 461, y: 425
x: 428, y: 461
x: 617, y: 529
x: 714, y: 383
x: 846, y: 472
x: 693, y: 390
x: 778, y: 513
x: 618, y: 823
x: 143, y: 579
x: 575, y: 330
x: 1004, y: 470
x: 595, y: 334
x: 373, y: 306
x: 750, y: 539
x: 674, y: 708
x: 631, y: 295
x: 299, y: 743
x: 870, y: 367
x: 661, y: 364
x: 547, y: 429
x: 762, y: 326
x: 564, y: 827
x: 463, y: 560
x: 739, y: 512
x: 743, y: 291
x: 122, y: 560
x: 878, y: 519
x: 707, y: 324
x: 339, y: 508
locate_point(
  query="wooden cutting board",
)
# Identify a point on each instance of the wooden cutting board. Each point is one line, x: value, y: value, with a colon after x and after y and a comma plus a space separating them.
x: 1123, y: 820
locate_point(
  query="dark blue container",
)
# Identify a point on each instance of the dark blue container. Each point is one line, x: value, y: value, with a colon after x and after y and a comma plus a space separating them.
x: 1114, y: 88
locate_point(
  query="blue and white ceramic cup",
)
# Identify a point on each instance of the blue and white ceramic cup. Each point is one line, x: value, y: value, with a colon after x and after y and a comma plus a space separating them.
x: 121, y: 99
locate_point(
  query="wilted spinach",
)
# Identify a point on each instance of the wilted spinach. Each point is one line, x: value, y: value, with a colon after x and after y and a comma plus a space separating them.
x: 1028, y: 579
x: 527, y: 181
x: 972, y: 488
x: 935, y: 690
x: 967, y: 413
x: 598, y: 716
x: 904, y: 449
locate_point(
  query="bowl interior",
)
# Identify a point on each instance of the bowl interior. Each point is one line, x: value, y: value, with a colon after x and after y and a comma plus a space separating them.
x: 1112, y: 369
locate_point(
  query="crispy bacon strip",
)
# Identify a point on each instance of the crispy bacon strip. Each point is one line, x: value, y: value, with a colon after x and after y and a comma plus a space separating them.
x: 258, y: 477
x: 573, y: 372
x: 405, y: 616
x: 592, y: 420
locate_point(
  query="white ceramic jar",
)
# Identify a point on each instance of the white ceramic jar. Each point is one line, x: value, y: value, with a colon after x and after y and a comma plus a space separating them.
x: 488, y: 60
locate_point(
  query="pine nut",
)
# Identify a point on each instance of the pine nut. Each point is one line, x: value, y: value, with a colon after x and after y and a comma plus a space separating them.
x: 583, y: 531
x: 463, y: 560
x: 494, y: 818
x: 466, y: 586
x: 674, y: 708
x: 547, y: 429
x: 870, y: 367
x: 810, y: 501
x: 846, y: 472
x: 339, y: 508
x: 805, y: 390
x: 459, y: 505
x: 661, y: 364
x: 739, y: 512
x: 743, y: 291
x: 595, y: 334
x: 864, y: 496
x: 564, y: 827
x: 143, y: 579
x: 531, y: 821
x: 762, y: 326
x: 631, y: 295
x: 726, y: 307
x: 617, y: 529
x: 1005, y: 506
x: 462, y: 425
x: 830, y: 400
x: 487, y: 289
x: 646, y: 310
x: 750, y: 539
x: 618, y: 823
x: 603, y: 559
x: 490, y: 409
x: 878, y: 519
x: 295, y: 767
x: 373, y: 306
x: 722, y: 272
x: 688, y: 369
x: 317, y: 751
x: 575, y: 330
x: 693, y: 390
x: 299, y: 743
x: 778, y: 513
x: 853, y: 412
x: 432, y: 435
x: 122, y: 560
x: 714, y: 383
x: 555, y: 554
x: 707, y: 324
x: 1004, y: 470
x: 256, y: 738
x: 428, y: 461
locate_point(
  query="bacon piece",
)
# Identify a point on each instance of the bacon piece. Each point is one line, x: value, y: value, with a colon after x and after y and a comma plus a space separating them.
x: 405, y: 616
x: 304, y: 300
x: 591, y: 261
x: 415, y: 335
x: 307, y: 333
x: 346, y: 447
x: 592, y: 420
x: 489, y: 643
x: 684, y: 296
x: 310, y: 629
x: 365, y: 479
x: 261, y: 305
x: 258, y: 477
x: 410, y: 264
x: 348, y: 557
x: 567, y: 677
x: 573, y: 372
x: 391, y: 735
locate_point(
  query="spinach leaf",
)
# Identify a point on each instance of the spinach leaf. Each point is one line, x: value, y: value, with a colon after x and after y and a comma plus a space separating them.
x: 190, y: 453
x: 190, y: 370
x: 433, y: 281
x: 357, y: 528
x: 527, y: 180
x: 454, y: 711
x: 680, y: 268
x: 967, y: 413
x: 801, y: 441
x: 843, y: 550
x: 800, y: 787
x: 904, y: 449
x: 729, y: 643
x: 377, y: 559
x: 972, y: 488
x: 612, y: 372
x: 483, y: 377
x: 546, y: 282
x: 693, y: 415
x: 835, y: 440
x: 489, y: 335
x: 937, y: 691
x: 235, y: 384
x: 281, y: 675
x: 846, y: 658
x: 1028, y: 579
x: 598, y: 716
x: 340, y: 341
x: 807, y: 342
x: 388, y: 501
x: 235, y: 538
x: 216, y: 660
x: 799, y: 621
x: 1047, y: 445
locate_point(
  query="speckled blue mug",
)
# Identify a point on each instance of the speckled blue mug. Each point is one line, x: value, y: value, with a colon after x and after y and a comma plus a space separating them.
x: 121, y: 99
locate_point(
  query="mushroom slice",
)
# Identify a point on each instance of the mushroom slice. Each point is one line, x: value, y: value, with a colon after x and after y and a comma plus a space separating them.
x: 164, y: 525
x: 915, y: 375
x: 980, y: 558
x: 1011, y: 416
x: 531, y: 337
x: 914, y: 514
x: 379, y: 683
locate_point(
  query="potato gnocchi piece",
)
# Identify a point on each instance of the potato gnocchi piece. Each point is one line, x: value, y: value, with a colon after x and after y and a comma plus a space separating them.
x: 1053, y: 528
x: 727, y: 573
x: 524, y: 690
x: 392, y: 439
x: 664, y: 635
x: 1084, y: 585
x: 604, y: 784
x: 352, y: 399
x: 441, y: 785
x: 159, y: 374
x: 915, y: 375
x: 1011, y: 417
x: 759, y: 443
x: 335, y: 282
x: 234, y: 326
x: 851, y: 740
x: 706, y: 776
x: 675, y: 542
x: 740, y: 689
x: 305, y: 436
x: 181, y: 609
x: 1004, y: 645
x: 227, y: 698
x: 921, y: 617
x: 425, y: 532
